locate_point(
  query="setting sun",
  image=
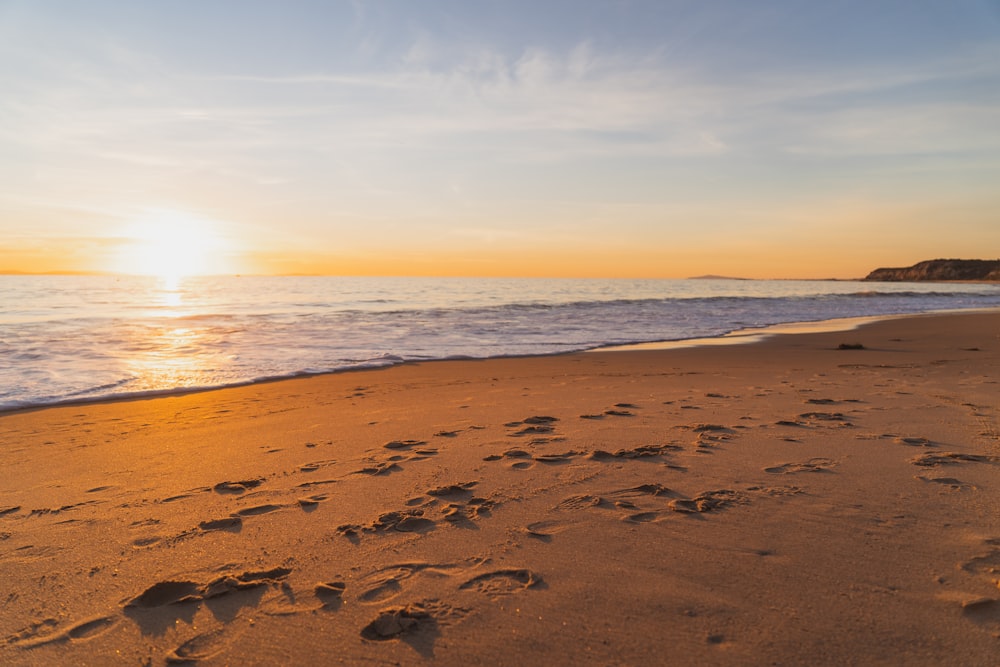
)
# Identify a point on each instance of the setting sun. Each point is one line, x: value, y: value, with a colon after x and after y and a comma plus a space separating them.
x: 173, y: 245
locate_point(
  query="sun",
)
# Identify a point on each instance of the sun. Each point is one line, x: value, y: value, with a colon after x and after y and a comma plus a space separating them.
x: 173, y: 245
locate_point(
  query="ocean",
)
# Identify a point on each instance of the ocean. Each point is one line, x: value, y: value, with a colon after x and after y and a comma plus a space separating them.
x: 73, y: 338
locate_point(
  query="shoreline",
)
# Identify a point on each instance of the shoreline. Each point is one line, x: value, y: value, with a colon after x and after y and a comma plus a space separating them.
x: 752, y: 335
x: 783, y: 502
x: 746, y: 336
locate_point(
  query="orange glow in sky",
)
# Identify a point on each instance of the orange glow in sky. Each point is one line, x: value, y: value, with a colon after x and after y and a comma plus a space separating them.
x: 649, y: 138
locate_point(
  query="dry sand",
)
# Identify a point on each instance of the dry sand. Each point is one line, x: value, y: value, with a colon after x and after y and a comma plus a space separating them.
x: 785, y: 502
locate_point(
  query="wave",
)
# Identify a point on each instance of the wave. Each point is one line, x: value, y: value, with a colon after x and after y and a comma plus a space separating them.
x: 237, y: 337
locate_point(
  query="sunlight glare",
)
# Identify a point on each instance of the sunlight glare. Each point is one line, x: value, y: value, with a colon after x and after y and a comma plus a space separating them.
x: 172, y: 245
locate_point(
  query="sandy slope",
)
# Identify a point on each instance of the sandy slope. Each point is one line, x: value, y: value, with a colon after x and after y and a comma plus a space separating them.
x: 785, y: 502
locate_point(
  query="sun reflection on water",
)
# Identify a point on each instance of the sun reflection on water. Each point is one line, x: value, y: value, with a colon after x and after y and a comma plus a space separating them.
x: 170, y: 357
x: 171, y: 296
x: 170, y: 351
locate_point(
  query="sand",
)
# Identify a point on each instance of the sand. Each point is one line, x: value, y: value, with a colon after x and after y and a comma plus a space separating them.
x: 783, y: 502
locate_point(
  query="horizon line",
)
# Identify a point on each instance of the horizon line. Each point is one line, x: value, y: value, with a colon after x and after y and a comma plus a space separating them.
x: 110, y: 274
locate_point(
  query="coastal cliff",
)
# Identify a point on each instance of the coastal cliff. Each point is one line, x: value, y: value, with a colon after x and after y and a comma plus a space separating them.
x: 941, y: 269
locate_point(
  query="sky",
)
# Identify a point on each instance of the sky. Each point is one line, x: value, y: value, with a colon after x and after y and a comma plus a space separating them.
x: 576, y: 138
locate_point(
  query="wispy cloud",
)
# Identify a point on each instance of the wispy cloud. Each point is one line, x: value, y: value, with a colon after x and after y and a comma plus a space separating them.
x: 537, y: 102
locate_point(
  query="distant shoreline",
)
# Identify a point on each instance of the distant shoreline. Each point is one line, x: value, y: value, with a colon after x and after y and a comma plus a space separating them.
x: 97, y: 274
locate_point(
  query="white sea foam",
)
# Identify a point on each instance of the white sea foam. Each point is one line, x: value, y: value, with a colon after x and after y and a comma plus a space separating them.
x: 83, y: 338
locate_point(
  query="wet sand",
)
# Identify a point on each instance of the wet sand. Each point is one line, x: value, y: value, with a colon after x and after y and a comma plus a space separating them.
x: 782, y: 502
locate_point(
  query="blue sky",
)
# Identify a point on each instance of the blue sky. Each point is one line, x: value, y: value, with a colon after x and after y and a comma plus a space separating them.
x: 769, y: 139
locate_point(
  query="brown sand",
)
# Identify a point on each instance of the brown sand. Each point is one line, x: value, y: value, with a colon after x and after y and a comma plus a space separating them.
x: 785, y: 502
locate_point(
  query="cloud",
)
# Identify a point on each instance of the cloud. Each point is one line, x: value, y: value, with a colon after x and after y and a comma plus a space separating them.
x: 124, y: 119
x: 539, y: 104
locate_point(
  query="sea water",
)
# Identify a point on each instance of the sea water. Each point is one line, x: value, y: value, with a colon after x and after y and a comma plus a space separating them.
x: 70, y: 338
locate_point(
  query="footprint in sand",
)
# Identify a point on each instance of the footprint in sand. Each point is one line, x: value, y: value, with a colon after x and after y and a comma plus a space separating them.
x: 644, y: 490
x: 404, y: 521
x: 142, y: 542
x: 533, y: 430
x: 166, y: 592
x: 404, y: 444
x: 537, y: 425
x: 201, y: 646
x: 643, y: 517
x: 452, y: 490
x: 509, y: 454
x: 387, y: 582
x: 237, y: 487
x: 331, y: 594
x: 582, y: 501
x: 539, y: 420
x: 379, y: 468
x: 546, y: 439
x: 63, y: 508
x: 949, y: 458
x: 90, y: 628
x: 391, y: 464
x: 710, y: 435
x: 385, y: 590
x: 777, y: 490
x: 643, y: 451
x: 503, y: 582
x: 982, y: 611
x: 710, y: 428
x: 180, y: 496
x: 313, y: 466
x: 315, y: 483
x: 258, y: 509
x: 565, y: 457
x: 474, y: 508
x: 624, y: 498
x: 171, y: 592
x: 816, y: 418
x: 232, y: 524
x: 80, y: 631
x: 951, y: 482
x: 916, y: 442
x: 311, y: 502
x: 43, y: 628
x: 393, y: 622
x: 544, y: 530
x: 987, y: 564
x: 709, y: 501
x: 818, y: 464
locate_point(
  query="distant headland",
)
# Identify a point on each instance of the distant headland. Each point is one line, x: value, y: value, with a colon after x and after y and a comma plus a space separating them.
x: 714, y: 277
x: 941, y: 270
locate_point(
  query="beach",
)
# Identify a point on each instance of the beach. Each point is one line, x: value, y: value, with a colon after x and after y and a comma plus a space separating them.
x: 810, y: 498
